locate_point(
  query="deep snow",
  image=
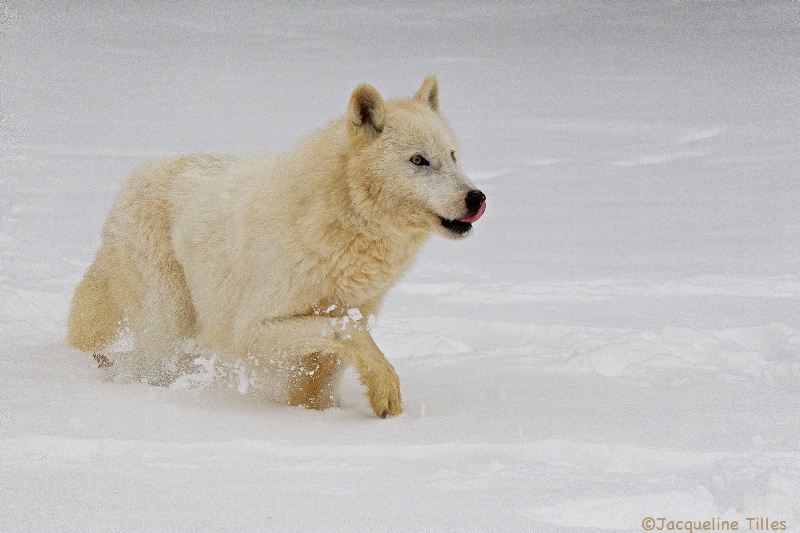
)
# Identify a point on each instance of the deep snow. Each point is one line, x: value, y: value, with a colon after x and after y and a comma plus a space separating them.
x: 619, y: 339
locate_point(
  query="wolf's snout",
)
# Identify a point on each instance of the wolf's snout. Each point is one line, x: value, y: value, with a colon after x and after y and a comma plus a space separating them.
x: 476, y: 205
x: 474, y: 200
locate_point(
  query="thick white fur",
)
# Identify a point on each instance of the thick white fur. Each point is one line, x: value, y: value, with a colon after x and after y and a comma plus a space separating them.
x: 250, y: 254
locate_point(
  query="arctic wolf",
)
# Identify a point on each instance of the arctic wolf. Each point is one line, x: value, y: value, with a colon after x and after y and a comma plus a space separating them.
x: 280, y: 255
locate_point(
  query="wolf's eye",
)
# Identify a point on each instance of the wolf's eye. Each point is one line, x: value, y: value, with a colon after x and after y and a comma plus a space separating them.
x: 453, y: 155
x: 419, y: 160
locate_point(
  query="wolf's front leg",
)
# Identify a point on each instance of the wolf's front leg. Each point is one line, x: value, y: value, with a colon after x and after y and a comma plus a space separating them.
x: 313, y: 381
x: 383, y: 385
x: 321, y: 337
x: 297, y: 335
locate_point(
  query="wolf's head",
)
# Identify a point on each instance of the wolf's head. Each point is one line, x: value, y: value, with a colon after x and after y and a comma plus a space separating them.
x: 404, y: 162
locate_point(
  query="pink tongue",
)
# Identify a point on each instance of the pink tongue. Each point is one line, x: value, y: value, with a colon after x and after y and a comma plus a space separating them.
x: 476, y: 216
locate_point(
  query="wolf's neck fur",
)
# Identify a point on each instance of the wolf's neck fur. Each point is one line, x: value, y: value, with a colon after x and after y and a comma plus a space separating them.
x: 364, y: 243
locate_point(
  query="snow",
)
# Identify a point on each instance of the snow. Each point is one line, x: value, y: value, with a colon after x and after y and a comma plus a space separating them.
x: 619, y: 339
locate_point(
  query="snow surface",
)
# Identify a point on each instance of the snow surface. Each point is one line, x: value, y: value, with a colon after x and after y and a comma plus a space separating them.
x: 619, y: 339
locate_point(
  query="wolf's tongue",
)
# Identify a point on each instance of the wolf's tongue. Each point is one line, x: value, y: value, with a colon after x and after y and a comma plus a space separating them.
x: 476, y: 216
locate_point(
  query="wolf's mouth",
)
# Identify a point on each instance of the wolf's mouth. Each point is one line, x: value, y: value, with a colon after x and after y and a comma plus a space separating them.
x: 462, y: 225
x: 456, y: 226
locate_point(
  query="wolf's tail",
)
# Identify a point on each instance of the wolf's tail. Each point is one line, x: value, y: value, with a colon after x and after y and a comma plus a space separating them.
x: 94, y: 316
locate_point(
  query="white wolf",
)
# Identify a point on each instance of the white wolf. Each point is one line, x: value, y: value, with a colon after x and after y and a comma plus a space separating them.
x: 268, y: 255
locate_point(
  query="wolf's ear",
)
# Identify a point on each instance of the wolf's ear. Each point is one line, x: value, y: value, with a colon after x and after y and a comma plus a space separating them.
x: 366, y: 110
x: 428, y: 94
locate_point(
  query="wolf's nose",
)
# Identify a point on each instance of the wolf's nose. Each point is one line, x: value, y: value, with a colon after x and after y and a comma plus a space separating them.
x: 474, y: 200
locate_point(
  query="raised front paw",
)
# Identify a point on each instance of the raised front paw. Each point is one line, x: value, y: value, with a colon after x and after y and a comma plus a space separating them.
x: 384, y: 393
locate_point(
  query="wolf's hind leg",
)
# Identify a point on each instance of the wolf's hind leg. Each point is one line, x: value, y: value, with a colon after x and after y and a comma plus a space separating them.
x: 94, y: 316
x: 165, y: 317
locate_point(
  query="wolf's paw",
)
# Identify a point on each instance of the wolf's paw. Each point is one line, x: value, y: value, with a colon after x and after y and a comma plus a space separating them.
x: 384, y: 394
x: 102, y: 360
